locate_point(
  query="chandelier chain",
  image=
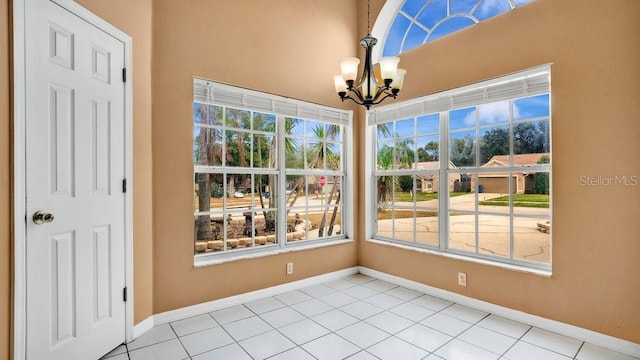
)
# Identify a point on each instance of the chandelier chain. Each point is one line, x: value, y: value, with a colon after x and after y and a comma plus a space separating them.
x: 368, y: 17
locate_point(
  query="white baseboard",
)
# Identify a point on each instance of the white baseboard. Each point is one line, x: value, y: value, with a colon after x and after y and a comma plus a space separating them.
x: 189, y: 311
x: 592, y: 337
x: 142, y: 327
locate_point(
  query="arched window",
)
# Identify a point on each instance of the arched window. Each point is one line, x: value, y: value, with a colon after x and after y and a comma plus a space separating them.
x: 404, y: 25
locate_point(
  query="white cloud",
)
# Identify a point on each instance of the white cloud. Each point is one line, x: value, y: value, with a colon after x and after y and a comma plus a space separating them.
x: 492, y: 113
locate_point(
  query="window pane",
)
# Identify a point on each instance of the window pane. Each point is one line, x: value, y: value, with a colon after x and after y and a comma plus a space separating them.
x: 532, y: 239
x: 427, y: 227
x: 238, y: 148
x: 384, y: 189
x: 264, y: 191
x: 462, y: 231
x: 294, y: 153
x: 385, y: 156
x: 264, y: 154
x: 403, y: 195
x: 415, y: 37
x: 264, y: 122
x: 462, y: 118
x: 209, y: 234
x: 208, y: 192
x: 494, y: 146
x: 404, y: 153
x: 433, y: 13
x: 334, y: 156
x: 316, y: 154
x: 207, y: 114
x: 427, y: 191
x: 531, y: 138
x: 462, y: 148
x: 494, y: 235
x: 531, y: 107
x: 240, y: 119
x: 495, y: 112
x: 405, y: 128
x: 315, y: 129
x: 428, y: 124
x: 207, y: 146
x: 294, y: 127
x: 395, y: 36
x: 404, y: 224
x: 491, y: 8
x: 532, y: 194
x: 462, y: 6
x: 428, y: 152
x: 450, y: 26
x: 384, y: 131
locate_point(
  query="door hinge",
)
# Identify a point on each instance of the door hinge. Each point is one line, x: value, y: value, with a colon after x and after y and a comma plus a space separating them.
x: 124, y: 294
x: 124, y: 185
x: 124, y: 75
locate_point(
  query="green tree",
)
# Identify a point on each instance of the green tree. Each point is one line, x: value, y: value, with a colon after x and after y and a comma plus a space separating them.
x: 429, y: 152
x: 542, y: 179
x: 494, y: 142
x: 462, y: 151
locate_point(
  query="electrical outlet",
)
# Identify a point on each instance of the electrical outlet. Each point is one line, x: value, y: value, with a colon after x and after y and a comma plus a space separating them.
x: 462, y: 279
x: 289, y: 268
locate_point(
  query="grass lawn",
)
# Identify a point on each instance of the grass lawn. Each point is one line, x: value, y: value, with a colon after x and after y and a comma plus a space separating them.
x: 404, y: 214
x: 423, y: 196
x: 520, y: 200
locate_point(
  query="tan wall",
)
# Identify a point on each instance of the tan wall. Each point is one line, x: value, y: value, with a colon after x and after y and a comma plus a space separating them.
x: 5, y: 183
x: 595, y: 52
x: 284, y: 47
x: 134, y: 18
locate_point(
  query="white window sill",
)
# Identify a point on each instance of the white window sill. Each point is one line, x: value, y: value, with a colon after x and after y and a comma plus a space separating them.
x: 221, y: 258
x: 524, y: 269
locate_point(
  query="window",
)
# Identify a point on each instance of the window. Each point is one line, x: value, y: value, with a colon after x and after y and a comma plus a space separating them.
x: 269, y: 172
x: 418, y: 22
x: 467, y: 171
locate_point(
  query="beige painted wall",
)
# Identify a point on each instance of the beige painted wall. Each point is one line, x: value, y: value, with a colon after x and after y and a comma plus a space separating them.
x: 595, y: 52
x: 284, y: 47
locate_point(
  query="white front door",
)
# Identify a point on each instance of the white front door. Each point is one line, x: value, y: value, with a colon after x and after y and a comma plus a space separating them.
x: 75, y: 266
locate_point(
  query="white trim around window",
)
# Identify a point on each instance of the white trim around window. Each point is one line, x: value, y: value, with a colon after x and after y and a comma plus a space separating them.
x: 280, y: 111
x: 505, y: 169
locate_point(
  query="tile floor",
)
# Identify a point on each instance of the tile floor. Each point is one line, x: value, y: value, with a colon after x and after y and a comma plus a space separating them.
x: 357, y: 318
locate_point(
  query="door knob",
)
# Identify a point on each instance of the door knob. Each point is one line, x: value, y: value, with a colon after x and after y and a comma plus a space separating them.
x: 41, y: 217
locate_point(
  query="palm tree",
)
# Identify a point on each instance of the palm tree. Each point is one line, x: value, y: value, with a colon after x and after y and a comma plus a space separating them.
x: 208, y: 151
x: 320, y: 155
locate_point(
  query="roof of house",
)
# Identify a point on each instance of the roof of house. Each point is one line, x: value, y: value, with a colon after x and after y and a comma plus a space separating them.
x: 518, y: 159
x: 432, y: 165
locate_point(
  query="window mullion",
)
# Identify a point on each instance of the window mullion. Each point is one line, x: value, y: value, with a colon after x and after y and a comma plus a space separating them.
x: 281, y: 204
x: 443, y: 184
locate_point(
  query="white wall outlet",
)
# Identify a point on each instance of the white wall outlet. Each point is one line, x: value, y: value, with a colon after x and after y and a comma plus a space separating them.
x: 289, y: 268
x: 462, y: 279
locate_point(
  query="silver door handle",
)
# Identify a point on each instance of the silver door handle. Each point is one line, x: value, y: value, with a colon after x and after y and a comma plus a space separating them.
x: 41, y: 217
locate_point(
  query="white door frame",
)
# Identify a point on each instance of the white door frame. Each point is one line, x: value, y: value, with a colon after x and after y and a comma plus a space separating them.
x: 19, y: 168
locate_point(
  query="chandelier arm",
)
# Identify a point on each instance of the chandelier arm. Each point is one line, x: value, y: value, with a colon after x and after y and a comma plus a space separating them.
x: 354, y: 100
x: 355, y: 91
x: 381, y: 90
x: 376, y: 102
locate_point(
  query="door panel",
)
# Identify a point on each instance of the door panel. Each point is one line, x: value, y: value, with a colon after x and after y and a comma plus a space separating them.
x: 74, y: 165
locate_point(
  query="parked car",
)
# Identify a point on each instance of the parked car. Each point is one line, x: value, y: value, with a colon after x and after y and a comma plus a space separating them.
x: 238, y: 195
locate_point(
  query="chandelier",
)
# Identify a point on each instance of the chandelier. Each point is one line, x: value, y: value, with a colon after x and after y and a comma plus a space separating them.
x: 373, y: 87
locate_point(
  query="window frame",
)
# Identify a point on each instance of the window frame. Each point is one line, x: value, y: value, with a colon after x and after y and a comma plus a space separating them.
x: 227, y: 96
x: 527, y: 83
